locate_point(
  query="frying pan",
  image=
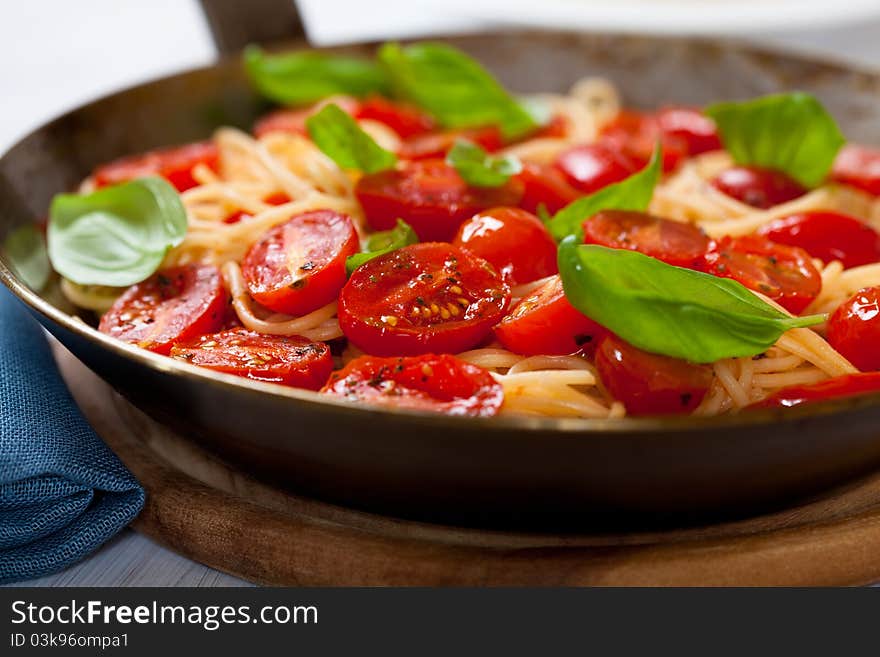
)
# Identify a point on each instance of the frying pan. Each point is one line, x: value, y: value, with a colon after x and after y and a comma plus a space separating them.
x: 515, y: 472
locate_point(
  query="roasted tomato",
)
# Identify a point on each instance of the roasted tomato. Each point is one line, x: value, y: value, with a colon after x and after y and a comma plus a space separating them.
x: 299, y: 266
x: 289, y: 360
x: 673, y: 242
x: 648, y: 384
x: 594, y: 166
x: 429, y: 297
x: 442, y: 383
x: 760, y: 188
x: 783, y: 273
x: 691, y: 127
x: 293, y: 121
x: 634, y: 135
x: 827, y: 236
x: 174, y: 164
x: 430, y: 196
x: 545, y: 322
x: 174, y: 305
x: 514, y: 241
x: 854, y: 329
x: 545, y: 185
x: 858, y: 166
x: 407, y: 121
x: 434, y: 145
x: 850, y: 385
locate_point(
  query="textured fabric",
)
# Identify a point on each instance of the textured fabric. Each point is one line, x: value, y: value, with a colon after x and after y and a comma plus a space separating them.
x: 63, y: 493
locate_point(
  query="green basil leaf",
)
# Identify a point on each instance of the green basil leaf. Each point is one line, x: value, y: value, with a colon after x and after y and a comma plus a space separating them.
x: 342, y: 140
x: 384, y: 242
x: 302, y: 78
x: 670, y: 310
x: 25, y: 249
x: 633, y: 193
x: 478, y: 168
x: 791, y: 133
x: 116, y: 236
x: 454, y: 88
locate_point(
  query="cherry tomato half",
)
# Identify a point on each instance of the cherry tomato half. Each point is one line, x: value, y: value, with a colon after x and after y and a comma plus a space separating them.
x: 299, y: 266
x: 691, y: 127
x: 858, y: 166
x: 634, y: 135
x: 442, y: 383
x: 430, y: 196
x: 407, y: 121
x: 827, y: 236
x: 591, y: 167
x: 854, y: 329
x: 293, y: 121
x: 435, y: 145
x: 174, y: 305
x: 428, y: 297
x: 850, y: 385
x: 760, y: 188
x: 674, y: 242
x: 513, y: 241
x: 783, y: 273
x: 545, y: 322
x: 545, y: 185
x: 289, y: 360
x: 175, y: 164
x: 648, y: 384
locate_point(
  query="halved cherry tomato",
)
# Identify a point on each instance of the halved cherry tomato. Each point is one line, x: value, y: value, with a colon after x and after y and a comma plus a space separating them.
x: 648, y: 384
x: 854, y: 329
x: 689, y: 125
x: 513, y: 241
x: 441, y: 383
x: 760, y: 188
x: 850, y: 385
x: 545, y: 322
x: 783, y: 273
x: 674, y: 242
x: 289, y: 360
x: 429, y: 297
x: 430, y: 196
x: 407, y: 121
x: 174, y: 305
x: 437, y: 144
x: 278, y: 198
x: 634, y: 135
x: 175, y: 164
x: 545, y: 185
x: 293, y: 121
x: 299, y: 266
x: 827, y: 236
x: 594, y: 166
x: 858, y: 166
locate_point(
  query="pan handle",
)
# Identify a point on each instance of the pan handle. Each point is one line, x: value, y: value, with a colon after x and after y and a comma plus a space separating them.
x: 236, y: 23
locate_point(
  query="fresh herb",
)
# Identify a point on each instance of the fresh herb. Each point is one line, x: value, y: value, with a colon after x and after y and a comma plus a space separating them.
x: 25, y: 249
x: 633, y: 193
x: 116, y: 236
x: 670, y: 310
x: 302, y: 78
x: 478, y: 168
x: 383, y: 242
x: 342, y: 140
x: 791, y: 133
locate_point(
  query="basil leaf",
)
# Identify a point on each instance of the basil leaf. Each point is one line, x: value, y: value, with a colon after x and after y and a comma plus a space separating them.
x: 384, y: 242
x: 302, y: 78
x: 791, y: 133
x: 25, y: 249
x: 670, y: 310
x: 454, y: 88
x: 478, y: 168
x: 342, y: 140
x: 116, y: 236
x: 633, y: 193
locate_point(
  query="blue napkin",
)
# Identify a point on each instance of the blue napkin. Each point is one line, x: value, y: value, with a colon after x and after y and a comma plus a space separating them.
x: 63, y: 493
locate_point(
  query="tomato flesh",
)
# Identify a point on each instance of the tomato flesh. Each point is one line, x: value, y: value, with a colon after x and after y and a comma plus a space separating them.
x: 430, y: 196
x: 854, y: 329
x: 649, y: 384
x: 405, y: 120
x: 674, y: 242
x: 785, y: 274
x: 428, y: 297
x: 299, y: 266
x: 691, y: 127
x: 175, y: 164
x: 175, y: 305
x: 850, y: 385
x: 545, y: 322
x: 760, y: 188
x: 591, y: 167
x: 634, y: 135
x: 434, y: 145
x: 827, y: 236
x: 513, y: 241
x: 545, y: 185
x: 858, y: 166
x: 443, y: 384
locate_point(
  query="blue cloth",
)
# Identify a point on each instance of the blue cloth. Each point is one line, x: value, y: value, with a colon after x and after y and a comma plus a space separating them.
x: 63, y: 493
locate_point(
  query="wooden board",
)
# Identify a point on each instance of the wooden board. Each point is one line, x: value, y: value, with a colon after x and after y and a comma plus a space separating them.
x: 218, y: 516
